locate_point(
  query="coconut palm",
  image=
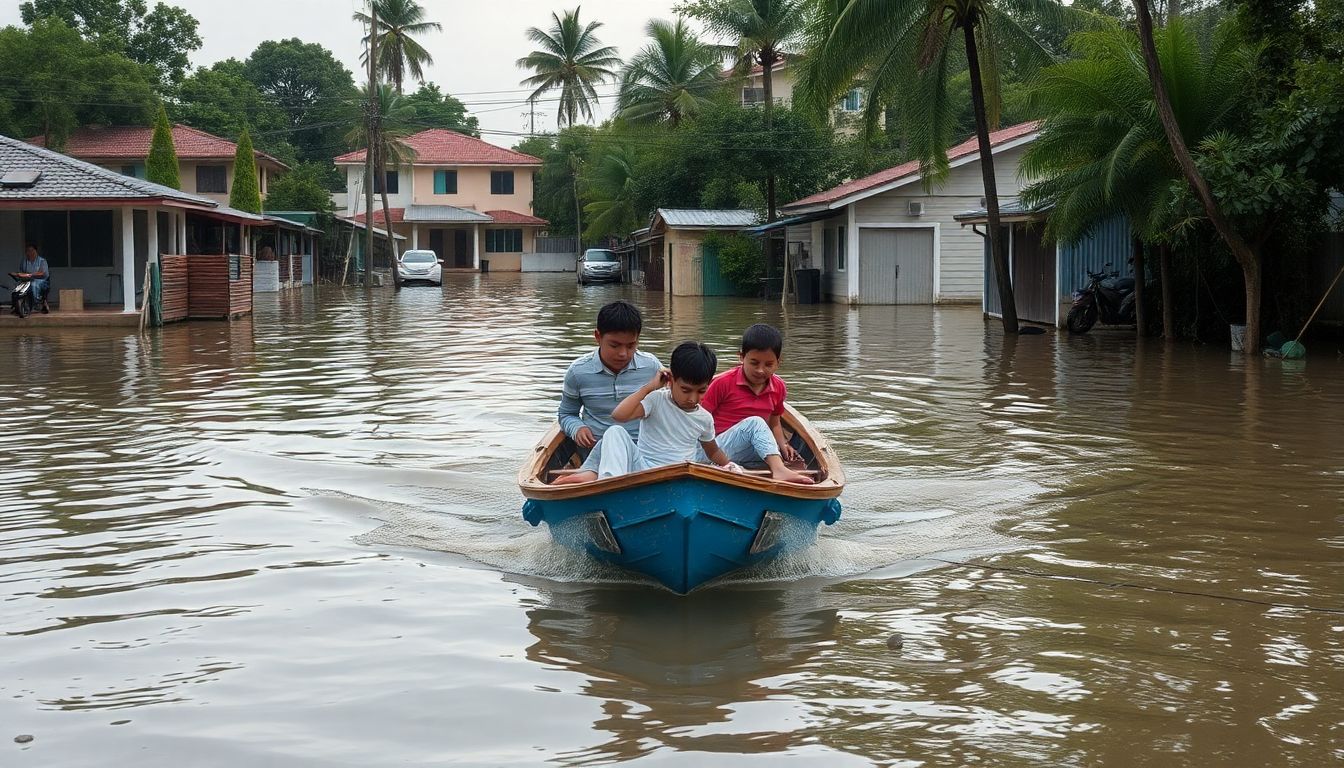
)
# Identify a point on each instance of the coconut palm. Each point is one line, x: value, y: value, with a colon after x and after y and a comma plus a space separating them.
x: 386, y: 139
x: 399, y: 21
x: 573, y: 60
x: 610, y: 184
x: 764, y: 31
x: 1102, y: 151
x: 671, y: 78
x: 908, y: 51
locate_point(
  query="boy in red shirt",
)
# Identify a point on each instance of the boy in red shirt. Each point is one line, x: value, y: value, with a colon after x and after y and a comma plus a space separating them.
x: 749, y: 397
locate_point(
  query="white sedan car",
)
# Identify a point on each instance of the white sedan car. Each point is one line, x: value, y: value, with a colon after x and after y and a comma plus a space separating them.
x: 421, y: 267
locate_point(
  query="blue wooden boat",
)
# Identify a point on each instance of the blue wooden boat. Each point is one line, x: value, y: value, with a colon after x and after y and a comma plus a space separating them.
x: 683, y: 524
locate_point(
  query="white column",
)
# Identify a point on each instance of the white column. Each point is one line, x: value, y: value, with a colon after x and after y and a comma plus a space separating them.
x: 127, y: 260
x: 852, y: 252
x: 152, y: 236
x: 476, y: 247
x: 415, y: 237
x: 182, y: 233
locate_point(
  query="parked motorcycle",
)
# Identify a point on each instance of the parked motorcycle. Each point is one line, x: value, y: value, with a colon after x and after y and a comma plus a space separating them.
x: 21, y: 297
x: 1107, y: 297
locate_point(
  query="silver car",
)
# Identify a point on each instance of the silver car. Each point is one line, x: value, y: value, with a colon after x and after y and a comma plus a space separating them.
x: 599, y: 265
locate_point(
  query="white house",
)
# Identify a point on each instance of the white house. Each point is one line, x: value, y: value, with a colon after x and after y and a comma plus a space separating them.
x: 884, y: 239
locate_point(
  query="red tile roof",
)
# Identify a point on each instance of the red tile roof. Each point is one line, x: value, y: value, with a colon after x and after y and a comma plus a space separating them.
x: 513, y: 217
x: 398, y: 215
x: 131, y: 142
x: 910, y: 170
x: 442, y: 147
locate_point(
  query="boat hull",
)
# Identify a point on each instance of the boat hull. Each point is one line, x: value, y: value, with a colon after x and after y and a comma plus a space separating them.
x: 684, y: 531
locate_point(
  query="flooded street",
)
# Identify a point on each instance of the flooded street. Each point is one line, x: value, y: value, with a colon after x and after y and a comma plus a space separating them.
x: 296, y: 540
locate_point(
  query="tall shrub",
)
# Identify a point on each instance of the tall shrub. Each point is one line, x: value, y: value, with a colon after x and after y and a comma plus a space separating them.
x: 245, y: 195
x: 161, y: 165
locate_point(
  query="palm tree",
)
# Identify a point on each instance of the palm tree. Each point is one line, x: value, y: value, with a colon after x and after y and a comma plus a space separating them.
x: 572, y: 59
x: 1248, y: 258
x: 672, y: 77
x: 1101, y: 150
x: 395, y: 122
x: 765, y: 31
x: 398, y: 51
x: 610, y: 184
x: 908, y: 51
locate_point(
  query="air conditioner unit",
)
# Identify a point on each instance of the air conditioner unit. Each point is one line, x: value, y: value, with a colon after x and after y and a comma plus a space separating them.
x: 916, y: 208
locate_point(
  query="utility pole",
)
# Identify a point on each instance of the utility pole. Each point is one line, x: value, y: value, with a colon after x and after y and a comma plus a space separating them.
x: 532, y: 116
x: 370, y: 131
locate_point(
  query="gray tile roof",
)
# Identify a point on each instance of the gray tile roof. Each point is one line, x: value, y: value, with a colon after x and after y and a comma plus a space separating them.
x: 65, y: 178
x: 727, y: 218
x: 444, y: 213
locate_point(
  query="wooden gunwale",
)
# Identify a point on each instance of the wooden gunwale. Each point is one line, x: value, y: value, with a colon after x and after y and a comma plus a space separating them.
x: 531, y: 478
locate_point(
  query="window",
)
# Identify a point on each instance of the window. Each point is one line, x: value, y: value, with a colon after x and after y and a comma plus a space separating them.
x: 853, y: 101
x: 389, y: 180
x: 49, y: 231
x: 501, y: 183
x: 91, y: 239
x: 445, y: 182
x: 503, y: 240
x: 212, y: 179
x: 135, y: 171
x: 840, y: 252
x: 752, y: 96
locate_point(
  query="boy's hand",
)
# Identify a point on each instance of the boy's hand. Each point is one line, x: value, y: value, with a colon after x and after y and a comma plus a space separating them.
x: 584, y: 437
x: 789, y: 454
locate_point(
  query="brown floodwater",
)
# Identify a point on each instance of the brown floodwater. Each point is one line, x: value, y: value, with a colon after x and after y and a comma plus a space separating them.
x: 296, y: 540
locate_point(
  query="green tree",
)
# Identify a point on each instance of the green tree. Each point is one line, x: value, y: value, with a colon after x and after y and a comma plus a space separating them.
x: 673, y: 77
x: 399, y: 53
x: 609, y: 186
x: 387, y: 143
x: 1101, y: 151
x: 161, y: 166
x: 436, y: 109
x: 162, y: 38
x: 301, y: 189
x: 316, y: 93
x: 221, y: 100
x: 571, y: 59
x: 246, y: 192
x: 764, y: 31
x: 906, y: 50
x: 52, y: 81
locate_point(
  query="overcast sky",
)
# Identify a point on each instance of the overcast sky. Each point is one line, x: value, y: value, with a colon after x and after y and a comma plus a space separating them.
x: 473, y: 57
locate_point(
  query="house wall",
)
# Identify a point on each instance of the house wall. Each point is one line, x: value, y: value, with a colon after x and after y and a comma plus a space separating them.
x: 186, y: 173
x: 686, y: 265
x: 473, y: 188
x: 960, y: 252
x: 354, y: 190
x: 781, y: 84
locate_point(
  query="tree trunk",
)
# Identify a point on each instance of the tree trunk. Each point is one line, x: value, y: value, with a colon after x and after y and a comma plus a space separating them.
x: 1173, y: 10
x: 578, y: 208
x: 1168, y: 310
x: 768, y: 58
x: 997, y: 247
x: 370, y: 129
x: 1241, y: 251
x: 1140, y: 295
x: 391, y: 235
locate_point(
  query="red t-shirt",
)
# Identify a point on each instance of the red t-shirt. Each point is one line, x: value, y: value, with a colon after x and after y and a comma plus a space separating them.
x: 730, y: 399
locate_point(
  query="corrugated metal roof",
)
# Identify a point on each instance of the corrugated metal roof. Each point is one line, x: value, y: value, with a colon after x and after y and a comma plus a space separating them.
x: 1014, y: 208
x: 65, y: 178
x: 726, y: 218
x: 443, y: 213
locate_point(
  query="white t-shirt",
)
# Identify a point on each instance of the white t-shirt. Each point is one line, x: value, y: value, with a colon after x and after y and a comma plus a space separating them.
x: 667, y: 434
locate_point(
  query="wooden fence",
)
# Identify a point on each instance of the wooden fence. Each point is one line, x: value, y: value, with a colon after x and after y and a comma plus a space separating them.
x: 218, y: 287
x: 174, y: 282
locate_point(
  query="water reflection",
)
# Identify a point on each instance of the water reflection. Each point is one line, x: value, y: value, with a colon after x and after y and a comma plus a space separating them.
x: 665, y: 666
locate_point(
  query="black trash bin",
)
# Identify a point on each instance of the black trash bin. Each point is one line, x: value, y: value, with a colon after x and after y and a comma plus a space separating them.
x: 808, y: 284
x: 485, y: 265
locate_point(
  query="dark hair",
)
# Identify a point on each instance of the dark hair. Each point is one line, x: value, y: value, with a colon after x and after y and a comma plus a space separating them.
x: 619, y: 317
x: 762, y: 337
x: 693, y: 363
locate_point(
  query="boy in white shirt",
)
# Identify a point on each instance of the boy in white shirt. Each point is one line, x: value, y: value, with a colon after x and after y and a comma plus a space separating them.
x: 673, y: 424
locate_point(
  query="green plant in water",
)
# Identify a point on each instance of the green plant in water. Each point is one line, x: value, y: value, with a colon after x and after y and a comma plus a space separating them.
x: 741, y: 259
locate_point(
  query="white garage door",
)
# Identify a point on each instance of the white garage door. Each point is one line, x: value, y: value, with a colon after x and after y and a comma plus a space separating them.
x: 896, y: 266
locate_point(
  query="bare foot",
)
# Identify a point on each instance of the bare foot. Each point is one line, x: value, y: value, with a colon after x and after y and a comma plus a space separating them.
x: 577, y: 477
x: 789, y: 476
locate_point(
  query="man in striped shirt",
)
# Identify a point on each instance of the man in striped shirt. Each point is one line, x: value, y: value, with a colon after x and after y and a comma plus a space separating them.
x: 599, y: 380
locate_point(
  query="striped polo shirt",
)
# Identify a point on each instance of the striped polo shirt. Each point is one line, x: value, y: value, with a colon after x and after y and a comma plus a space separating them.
x: 592, y: 392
